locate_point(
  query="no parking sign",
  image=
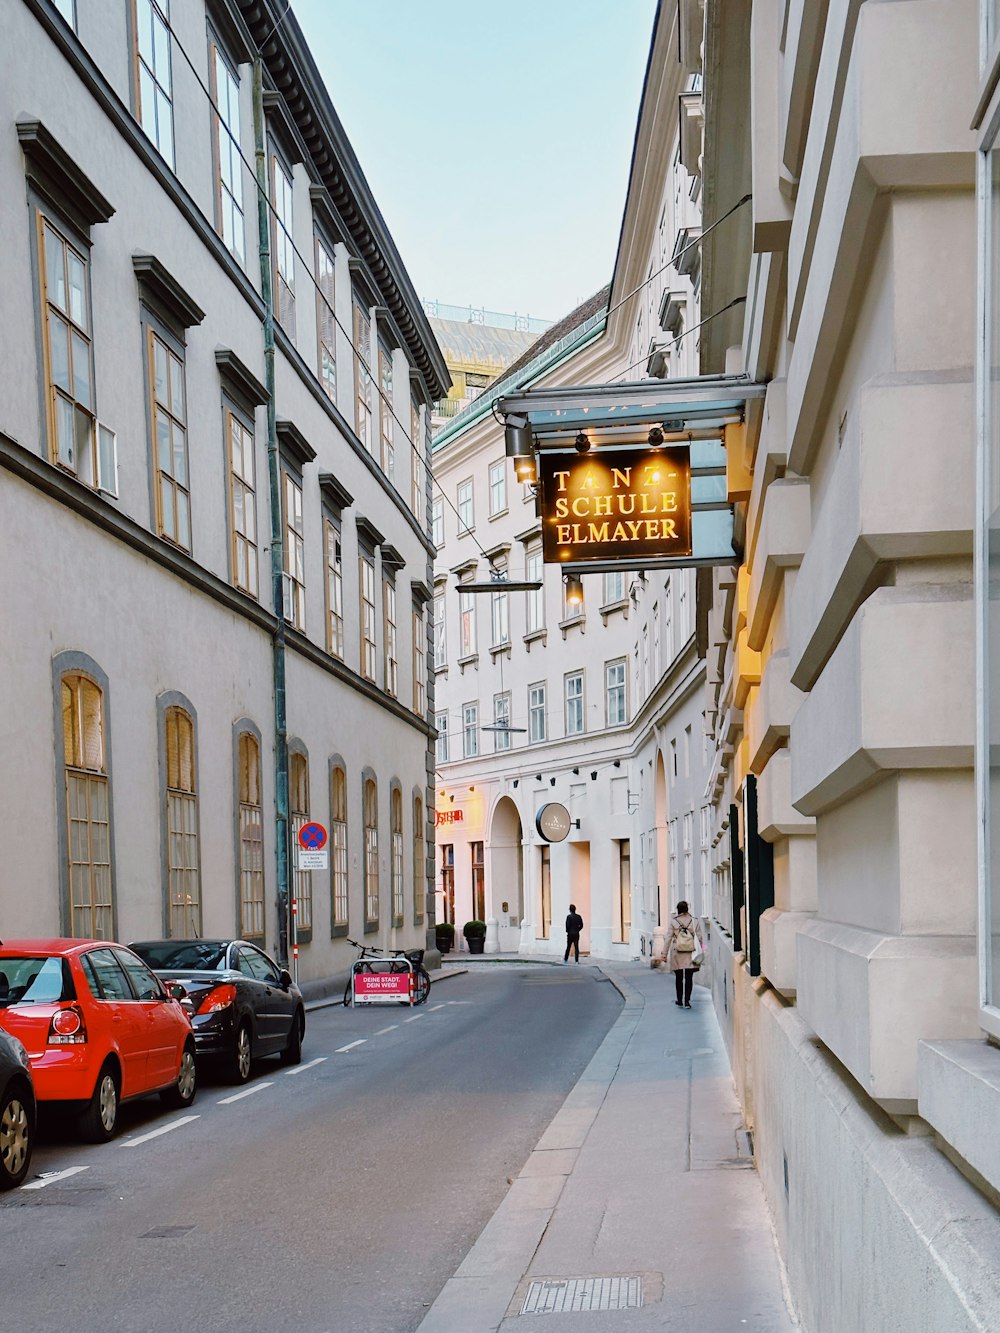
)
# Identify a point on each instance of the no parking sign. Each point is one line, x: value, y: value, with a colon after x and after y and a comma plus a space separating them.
x: 312, y: 847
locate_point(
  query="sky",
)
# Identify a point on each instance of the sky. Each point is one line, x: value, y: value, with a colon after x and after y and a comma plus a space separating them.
x: 496, y: 138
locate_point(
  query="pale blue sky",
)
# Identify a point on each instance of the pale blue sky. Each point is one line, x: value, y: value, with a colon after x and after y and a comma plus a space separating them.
x: 495, y: 138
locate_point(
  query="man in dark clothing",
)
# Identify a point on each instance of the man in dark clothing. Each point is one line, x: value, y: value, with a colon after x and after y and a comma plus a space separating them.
x: 574, y: 924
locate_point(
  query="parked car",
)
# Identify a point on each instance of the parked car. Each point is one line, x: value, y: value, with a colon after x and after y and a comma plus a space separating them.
x: 17, y: 1112
x: 98, y: 1027
x: 242, y: 1004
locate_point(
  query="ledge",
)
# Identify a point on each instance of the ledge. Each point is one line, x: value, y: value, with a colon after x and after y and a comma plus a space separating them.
x: 240, y: 380
x: 500, y: 650
x: 53, y: 170
x: 536, y: 636
x: 470, y: 661
x: 335, y: 495
x: 163, y: 289
x: 573, y: 622
x: 958, y: 1084
x: 293, y: 444
x: 368, y: 534
x: 610, y: 609
x: 391, y: 558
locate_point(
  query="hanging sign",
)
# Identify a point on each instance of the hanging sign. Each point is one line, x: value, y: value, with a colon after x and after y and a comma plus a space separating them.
x: 618, y: 504
x: 553, y: 822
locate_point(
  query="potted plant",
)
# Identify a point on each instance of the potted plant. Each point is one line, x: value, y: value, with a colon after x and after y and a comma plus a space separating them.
x: 444, y: 936
x: 475, y: 934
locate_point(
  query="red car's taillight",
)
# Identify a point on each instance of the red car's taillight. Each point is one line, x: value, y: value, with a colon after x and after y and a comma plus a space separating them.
x: 67, y: 1028
x: 219, y: 997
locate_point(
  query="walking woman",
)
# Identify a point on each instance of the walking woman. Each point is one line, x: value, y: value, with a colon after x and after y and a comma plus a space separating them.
x: 685, y: 943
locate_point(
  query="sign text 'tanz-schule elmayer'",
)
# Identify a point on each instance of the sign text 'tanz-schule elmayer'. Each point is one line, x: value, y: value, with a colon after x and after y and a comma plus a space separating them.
x: 624, y: 503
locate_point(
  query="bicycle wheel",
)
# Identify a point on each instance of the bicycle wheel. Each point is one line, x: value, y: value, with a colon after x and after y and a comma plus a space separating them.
x: 423, y: 986
x: 349, y: 993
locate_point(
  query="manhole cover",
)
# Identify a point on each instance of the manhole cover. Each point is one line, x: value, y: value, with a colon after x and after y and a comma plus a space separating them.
x: 570, y: 1295
x: 165, y: 1233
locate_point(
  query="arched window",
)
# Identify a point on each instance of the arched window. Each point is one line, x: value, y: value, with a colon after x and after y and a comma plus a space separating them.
x: 396, y: 823
x: 338, y: 842
x: 183, y: 878
x: 371, y: 850
x: 419, y: 861
x: 87, y: 808
x: 298, y: 809
x: 251, y: 830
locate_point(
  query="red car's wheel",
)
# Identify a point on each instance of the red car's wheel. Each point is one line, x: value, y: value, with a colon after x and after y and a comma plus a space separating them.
x: 100, y: 1117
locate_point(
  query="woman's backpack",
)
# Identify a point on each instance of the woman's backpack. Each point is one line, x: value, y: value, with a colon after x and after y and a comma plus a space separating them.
x: 685, y: 940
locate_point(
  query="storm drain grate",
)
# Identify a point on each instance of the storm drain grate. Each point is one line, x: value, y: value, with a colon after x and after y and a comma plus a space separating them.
x: 572, y: 1295
x: 165, y: 1233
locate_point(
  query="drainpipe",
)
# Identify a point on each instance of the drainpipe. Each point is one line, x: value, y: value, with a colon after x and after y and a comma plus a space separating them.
x: 274, y: 481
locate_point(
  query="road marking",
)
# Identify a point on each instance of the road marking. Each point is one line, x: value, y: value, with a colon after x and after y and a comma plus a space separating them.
x: 458, y: 1002
x: 155, y: 1133
x: 247, y: 1092
x: 413, y: 1019
x: 435, y: 1006
x: 301, y: 1069
x: 51, y: 1177
x: 350, y: 1046
x: 391, y: 1028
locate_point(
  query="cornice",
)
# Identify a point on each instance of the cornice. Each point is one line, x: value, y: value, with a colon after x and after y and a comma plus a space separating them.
x: 335, y: 495
x: 239, y: 378
x: 368, y: 533
x: 293, y: 444
x: 165, y: 291
x: 57, y: 175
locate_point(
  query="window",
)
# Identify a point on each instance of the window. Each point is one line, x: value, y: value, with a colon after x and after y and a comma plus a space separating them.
x: 183, y: 877
x: 437, y: 521
x: 419, y: 860
x: 545, y: 890
x: 282, y: 231
x: 466, y: 514
x: 362, y: 374
x: 645, y: 661
x: 243, y: 504
x: 338, y: 844
x: 417, y: 472
x: 251, y: 831
x: 389, y: 637
x: 441, y: 727
x: 169, y: 432
x: 87, y: 808
x: 499, y: 603
x: 298, y: 809
x: 385, y: 411
x: 501, y: 720
x: 478, y: 882
x: 105, y: 971
x: 574, y: 704
x: 226, y: 146
x: 467, y: 622
x: 371, y: 850
x: 498, y: 488
x: 614, y: 693
x: 536, y: 712
x: 67, y: 8
x: 657, y: 664
x: 293, y: 549
x: 614, y: 587
x: 334, y: 590
x: 326, y: 324
x: 153, y: 105
x: 440, y: 647
x: 448, y: 881
x: 668, y: 628
x: 624, y: 921
x: 687, y: 752
x: 396, y: 824
x: 68, y: 355
x: 470, y: 731
x: 366, y: 567
x: 144, y: 984
x: 419, y: 661
x: 534, y: 601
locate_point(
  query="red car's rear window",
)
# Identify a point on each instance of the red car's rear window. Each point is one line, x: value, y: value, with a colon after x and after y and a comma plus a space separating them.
x: 31, y: 979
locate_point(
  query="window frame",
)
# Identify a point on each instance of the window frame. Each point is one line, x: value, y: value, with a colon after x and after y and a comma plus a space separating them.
x: 617, y: 663
x: 298, y: 818
x: 95, y: 779
x: 390, y: 637
x: 498, y: 488
x: 339, y: 850
x: 534, y: 708
x: 580, y: 699
x: 172, y: 707
x: 470, y: 728
x: 361, y: 324
x: 293, y: 542
x: 501, y: 714
x: 369, y: 808
x: 252, y: 924
x: 419, y: 859
x: 158, y: 9
x: 175, y: 351
x: 419, y: 632
x: 219, y: 55
x: 334, y: 586
x: 326, y: 314
x: 466, y: 500
x: 243, y: 422
x: 283, y: 243
x: 396, y: 872
x: 441, y: 744
x: 386, y: 414
x: 367, y: 606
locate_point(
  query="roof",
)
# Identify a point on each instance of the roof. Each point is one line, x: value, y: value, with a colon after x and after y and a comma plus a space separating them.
x: 467, y: 344
x: 592, y: 306
x: 48, y: 945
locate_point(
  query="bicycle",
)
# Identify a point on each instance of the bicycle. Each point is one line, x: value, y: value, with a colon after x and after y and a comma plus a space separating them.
x: 396, y: 959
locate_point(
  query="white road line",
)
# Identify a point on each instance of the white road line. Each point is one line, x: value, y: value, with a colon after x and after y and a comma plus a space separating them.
x: 155, y: 1133
x: 413, y: 1019
x: 301, y: 1069
x: 391, y: 1028
x: 350, y: 1046
x: 435, y: 1006
x: 51, y: 1177
x: 247, y: 1092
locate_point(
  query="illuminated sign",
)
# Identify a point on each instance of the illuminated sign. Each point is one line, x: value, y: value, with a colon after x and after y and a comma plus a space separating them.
x: 621, y: 503
x: 449, y: 817
x: 553, y: 822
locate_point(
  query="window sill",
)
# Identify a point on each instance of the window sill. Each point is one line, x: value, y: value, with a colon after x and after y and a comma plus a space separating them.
x: 612, y: 608
x: 500, y: 650
x: 339, y: 932
x: 574, y: 622
x: 471, y: 660
x: 371, y: 927
x: 535, y: 636
x: 501, y: 513
x: 305, y: 936
x: 467, y: 532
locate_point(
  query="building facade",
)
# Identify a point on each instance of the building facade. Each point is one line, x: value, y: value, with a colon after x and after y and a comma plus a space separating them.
x: 853, y: 954
x: 175, y: 416
x: 594, y: 704
x: 476, y: 344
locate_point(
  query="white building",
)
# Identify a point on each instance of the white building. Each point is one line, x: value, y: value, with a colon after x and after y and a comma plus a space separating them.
x: 596, y: 706
x: 140, y: 502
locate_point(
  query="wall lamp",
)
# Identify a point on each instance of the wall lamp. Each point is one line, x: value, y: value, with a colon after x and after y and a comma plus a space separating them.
x: 552, y: 782
x: 574, y: 590
x: 515, y: 782
x: 593, y: 776
x: 519, y: 444
x: 576, y: 772
x: 538, y: 777
x: 583, y: 443
x: 472, y: 789
x: 618, y: 763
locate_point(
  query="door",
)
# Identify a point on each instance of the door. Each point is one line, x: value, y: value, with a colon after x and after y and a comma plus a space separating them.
x: 162, y: 1025
x: 278, y: 1004
x: 121, y: 1017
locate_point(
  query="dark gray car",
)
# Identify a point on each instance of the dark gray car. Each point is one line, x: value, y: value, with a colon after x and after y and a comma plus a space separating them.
x: 17, y: 1112
x: 241, y: 1004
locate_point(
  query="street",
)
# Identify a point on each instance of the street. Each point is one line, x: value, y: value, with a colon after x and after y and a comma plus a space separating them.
x: 339, y: 1194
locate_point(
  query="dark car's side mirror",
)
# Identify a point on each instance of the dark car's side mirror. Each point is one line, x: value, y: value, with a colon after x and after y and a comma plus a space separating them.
x: 285, y: 978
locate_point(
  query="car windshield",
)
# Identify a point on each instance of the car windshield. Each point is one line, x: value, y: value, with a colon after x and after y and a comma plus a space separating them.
x: 34, y: 980
x: 188, y: 955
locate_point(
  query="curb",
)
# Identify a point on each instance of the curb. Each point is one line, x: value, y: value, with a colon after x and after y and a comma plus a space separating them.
x: 337, y: 1001
x: 480, y: 1292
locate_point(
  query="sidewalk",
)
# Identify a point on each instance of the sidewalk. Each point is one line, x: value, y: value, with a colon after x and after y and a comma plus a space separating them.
x: 643, y: 1174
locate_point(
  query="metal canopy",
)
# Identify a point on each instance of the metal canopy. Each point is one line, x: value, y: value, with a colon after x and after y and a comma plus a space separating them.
x: 705, y: 403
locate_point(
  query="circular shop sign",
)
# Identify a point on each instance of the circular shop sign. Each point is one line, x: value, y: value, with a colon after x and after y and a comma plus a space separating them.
x: 553, y: 822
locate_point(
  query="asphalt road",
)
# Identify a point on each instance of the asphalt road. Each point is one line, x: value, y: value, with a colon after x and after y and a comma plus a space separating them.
x: 333, y: 1197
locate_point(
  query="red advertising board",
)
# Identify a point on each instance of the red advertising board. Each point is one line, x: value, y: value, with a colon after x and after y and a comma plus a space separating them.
x: 381, y: 987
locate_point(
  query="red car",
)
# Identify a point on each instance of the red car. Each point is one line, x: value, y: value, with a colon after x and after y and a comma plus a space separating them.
x: 98, y: 1026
